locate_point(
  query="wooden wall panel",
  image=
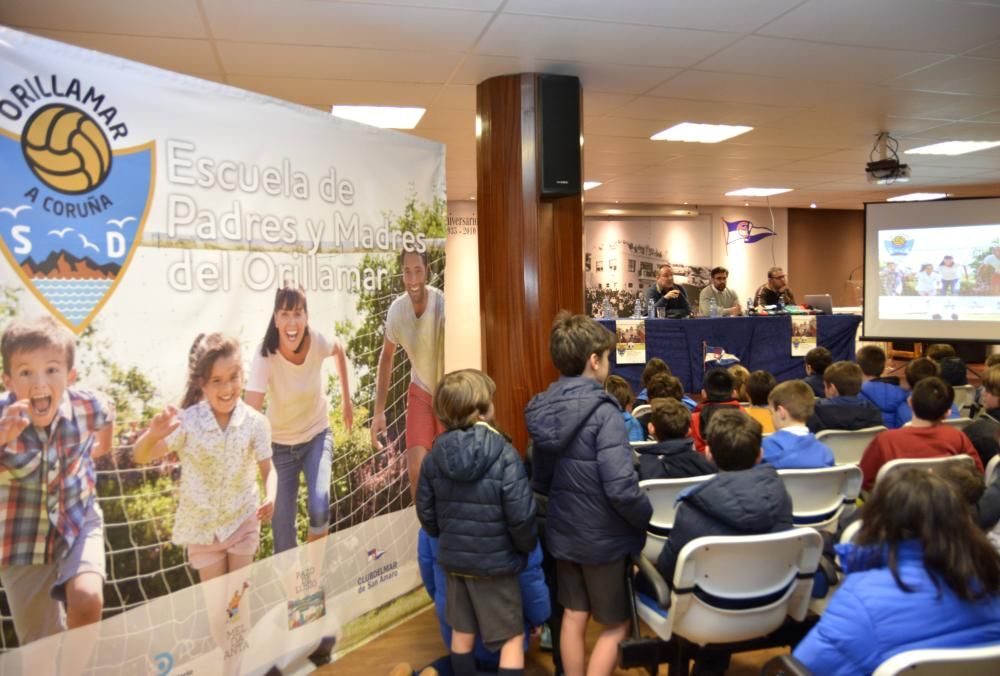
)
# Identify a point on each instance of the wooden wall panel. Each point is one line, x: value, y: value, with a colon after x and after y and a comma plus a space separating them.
x: 825, y: 248
x: 530, y: 252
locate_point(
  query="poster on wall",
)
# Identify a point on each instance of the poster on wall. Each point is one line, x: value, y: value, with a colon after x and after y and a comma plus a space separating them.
x: 196, y: 242
x: 630, y: 341
x: 803, y: 334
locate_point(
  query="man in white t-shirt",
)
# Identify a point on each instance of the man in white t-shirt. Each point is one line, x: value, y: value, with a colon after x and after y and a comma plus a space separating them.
x: 415, y: 322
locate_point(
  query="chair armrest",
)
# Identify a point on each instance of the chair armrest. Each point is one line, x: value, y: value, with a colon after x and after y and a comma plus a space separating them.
x: 784, y: 665
x: 650, y: 582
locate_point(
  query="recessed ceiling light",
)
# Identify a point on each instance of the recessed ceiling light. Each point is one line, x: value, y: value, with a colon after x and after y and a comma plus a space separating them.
x: 693, y: 132
x: 757, y: 192
x: 812, y: 205
x: 918, y: 197
x: 952, y: 148
x: 587, y: 185
x: 387, y: 117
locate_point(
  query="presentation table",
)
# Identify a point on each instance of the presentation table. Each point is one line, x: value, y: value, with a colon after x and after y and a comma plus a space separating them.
x: 760, y: 343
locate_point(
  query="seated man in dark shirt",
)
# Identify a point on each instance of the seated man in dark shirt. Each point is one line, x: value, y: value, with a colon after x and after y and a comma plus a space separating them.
x: 775, y: 289
x: 664, y: 293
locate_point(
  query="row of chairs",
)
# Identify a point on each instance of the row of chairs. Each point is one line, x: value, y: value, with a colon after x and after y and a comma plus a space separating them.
x: 712, y: 606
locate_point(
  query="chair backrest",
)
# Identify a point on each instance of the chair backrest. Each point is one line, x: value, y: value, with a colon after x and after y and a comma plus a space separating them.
x: 960, y: 423
x: 920, y: 463
x: 662, y: 494
x: 965, y: 397
x: 735, y: 588
x: 991, y: 469
x: 643, y: 413
x: 819, y: 496
x: 975, y: 661
x: 849, y: 445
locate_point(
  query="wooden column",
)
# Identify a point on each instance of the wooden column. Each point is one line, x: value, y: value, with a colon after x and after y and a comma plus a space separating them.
x: 530, y: 249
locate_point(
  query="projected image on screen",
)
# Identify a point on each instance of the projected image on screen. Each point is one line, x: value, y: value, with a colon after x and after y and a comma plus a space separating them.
x: 932, y: 270
x: 940, y: 273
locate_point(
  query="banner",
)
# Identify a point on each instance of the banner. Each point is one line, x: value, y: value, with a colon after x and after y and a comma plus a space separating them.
x: 140, y: 208
x: 803, y: 334
x: 630, y: 341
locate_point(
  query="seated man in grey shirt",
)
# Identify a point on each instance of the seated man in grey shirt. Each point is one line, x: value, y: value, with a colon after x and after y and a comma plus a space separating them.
x: 726, y: 299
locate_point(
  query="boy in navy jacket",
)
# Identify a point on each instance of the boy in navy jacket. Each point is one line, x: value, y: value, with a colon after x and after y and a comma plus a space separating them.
x: 474, y: 496
x: 673, y: 455
x: 597, y: 515
x: 844, y: 408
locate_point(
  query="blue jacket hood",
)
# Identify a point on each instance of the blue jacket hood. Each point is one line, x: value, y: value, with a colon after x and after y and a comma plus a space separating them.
x: 889, y: 399
x: 555, y: 416
x: 787, y: 450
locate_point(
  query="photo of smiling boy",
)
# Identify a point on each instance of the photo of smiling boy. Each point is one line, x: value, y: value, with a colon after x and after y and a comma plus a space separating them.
x: 51, y: 528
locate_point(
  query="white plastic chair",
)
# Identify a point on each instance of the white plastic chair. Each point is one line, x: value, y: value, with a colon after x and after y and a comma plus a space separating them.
x: 918, y: 463
x: 820, y: 496
x: 849, y: 445
x: 960, y: 423
x: 991, y: 469
x: 662, y: 494
x: 965, y: 397
x: 643, y: 413
x: 975, y: 661
x: 736, y: 588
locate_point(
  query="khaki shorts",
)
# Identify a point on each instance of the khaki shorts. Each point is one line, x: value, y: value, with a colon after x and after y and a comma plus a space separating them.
x: 597, y: 589
x: 243, y: 542
x: 487, y: 606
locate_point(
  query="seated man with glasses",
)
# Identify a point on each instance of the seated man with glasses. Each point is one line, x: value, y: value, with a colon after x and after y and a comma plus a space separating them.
x: 774, y: 290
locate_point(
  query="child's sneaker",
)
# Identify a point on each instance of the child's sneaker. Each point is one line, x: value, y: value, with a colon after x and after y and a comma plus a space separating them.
x: 545, y: 639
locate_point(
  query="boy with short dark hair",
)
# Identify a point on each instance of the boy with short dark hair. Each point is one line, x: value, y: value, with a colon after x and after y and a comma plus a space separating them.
x: 793, y: 446
x: 844, y: 408
x: 818, y: 360
x: 619, y: 388
x: 890, y: 398
x: 597, y: 516
x: 51, y: 550
x: 474, y: 496
x: 673, y: 455
x: 915, y: 371
x: 759, y: 386
x: 950, y: 366
x: 745, y: 498
x: 984, y: 431
x: 718, y: 392
x: 653, y: 367
x: 927, y: 437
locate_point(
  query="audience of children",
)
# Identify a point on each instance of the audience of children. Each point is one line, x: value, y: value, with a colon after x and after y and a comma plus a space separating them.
x: 889, y: 397
x: 919, y: 574
x: 673, y: 455
x: 474, y: 495
x: 717, y: 393
x: 758, y: 387
x: 818, y: 360
x: 843, y: 408
x: 983, y: 431
x: 619, y: 388
x: 793, y: 446
x: 596, y: 516
x: 926, y: 437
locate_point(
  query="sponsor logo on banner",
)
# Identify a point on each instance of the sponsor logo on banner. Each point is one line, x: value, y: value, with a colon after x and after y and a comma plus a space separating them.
x: 745, y: 230
x: 73, y: 199
x: 375, y: 554
x: 900, y: 245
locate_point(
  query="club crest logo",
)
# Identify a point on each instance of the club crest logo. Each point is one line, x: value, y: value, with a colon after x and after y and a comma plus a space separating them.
x: 72, y: 207
x: 900, y: 245
x: 745, y: 230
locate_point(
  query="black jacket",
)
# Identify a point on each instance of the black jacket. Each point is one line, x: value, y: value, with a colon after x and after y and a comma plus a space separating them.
x: 675, y: 306
x: 474, y: 496
x: 982, y: 432
x: 844, y: 413
x: 750, y: 502
x: 672, y: 459
x: 583, y: 462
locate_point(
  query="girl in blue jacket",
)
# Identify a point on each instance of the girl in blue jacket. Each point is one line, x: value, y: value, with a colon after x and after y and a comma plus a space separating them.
x: 920, y: 574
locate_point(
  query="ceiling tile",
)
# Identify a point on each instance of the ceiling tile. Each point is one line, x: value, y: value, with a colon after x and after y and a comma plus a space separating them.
x: 319, y: 92
x: 961, y: 75
x: 593, y: 77
x: 179, y: 54
x: 177, y: 19
x: 734, y: 88
x: 672, y: 111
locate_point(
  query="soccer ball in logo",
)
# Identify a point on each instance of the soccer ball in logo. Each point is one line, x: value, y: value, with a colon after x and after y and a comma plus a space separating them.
x: 66, y: 149
x: 898, y: 240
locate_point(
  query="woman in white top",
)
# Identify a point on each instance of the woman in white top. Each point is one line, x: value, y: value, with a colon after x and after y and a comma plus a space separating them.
x: 950, y: 273
x: 927, y: 280
x: 288, y: 367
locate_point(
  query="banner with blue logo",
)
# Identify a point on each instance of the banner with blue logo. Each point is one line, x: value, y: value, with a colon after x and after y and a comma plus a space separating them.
x: 150, y: 216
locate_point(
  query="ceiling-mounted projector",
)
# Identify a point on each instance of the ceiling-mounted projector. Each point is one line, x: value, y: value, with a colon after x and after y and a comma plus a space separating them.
x: 887, y: 171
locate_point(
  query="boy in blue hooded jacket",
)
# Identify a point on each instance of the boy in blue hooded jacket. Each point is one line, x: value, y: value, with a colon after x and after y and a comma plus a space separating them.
x: 793, y: 446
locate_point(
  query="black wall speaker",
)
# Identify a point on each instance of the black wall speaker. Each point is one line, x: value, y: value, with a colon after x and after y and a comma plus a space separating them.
x: 559, y: 140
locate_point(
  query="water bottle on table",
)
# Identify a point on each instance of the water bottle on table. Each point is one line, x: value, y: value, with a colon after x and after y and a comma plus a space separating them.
x: 713, y: 308
x: 637, y: 311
